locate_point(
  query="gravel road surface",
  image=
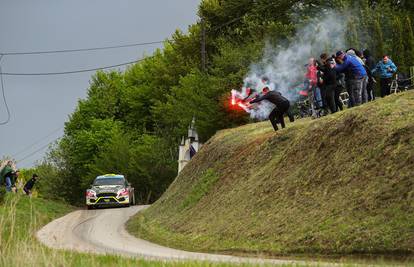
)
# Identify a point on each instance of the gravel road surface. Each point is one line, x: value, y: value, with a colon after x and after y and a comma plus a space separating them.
x: 103, y: 231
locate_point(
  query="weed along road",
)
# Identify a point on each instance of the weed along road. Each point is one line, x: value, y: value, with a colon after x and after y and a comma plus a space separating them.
x: 103, y: 231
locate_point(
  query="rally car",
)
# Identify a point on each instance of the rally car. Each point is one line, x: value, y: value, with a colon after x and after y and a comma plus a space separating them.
x: 110, y: 190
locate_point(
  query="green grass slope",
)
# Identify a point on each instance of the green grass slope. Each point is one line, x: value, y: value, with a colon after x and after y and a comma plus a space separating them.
x: 21, y: 217
x: 342, y: 184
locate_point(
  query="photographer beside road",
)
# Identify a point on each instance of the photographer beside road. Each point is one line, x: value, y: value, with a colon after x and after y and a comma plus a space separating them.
x: 29, y: 185
x: 9, y: 176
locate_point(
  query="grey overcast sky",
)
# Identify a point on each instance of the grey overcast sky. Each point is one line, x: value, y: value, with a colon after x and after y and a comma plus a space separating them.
x: 40, y: 105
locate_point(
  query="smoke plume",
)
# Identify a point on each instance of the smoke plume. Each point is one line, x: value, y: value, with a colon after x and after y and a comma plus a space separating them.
x: 284, y: 65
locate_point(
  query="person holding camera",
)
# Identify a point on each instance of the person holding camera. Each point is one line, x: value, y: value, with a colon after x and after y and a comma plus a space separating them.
x: 386, y: 69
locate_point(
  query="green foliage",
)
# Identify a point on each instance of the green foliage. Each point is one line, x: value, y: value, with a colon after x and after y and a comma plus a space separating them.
x: 409, y: 42
x: 145, y: 162
x: 398, y: 45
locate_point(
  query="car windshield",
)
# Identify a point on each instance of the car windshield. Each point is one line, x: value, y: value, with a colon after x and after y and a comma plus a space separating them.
x: 109, y: 181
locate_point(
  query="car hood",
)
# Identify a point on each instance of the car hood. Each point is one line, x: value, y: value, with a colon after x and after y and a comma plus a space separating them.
x: 107, y: 188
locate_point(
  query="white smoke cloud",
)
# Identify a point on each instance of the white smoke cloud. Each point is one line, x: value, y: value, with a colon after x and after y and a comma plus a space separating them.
x: 284, y: 65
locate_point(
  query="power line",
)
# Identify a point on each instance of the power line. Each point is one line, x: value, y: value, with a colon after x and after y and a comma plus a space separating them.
x: 37, y: 150
x: 71, y: 72
x: 4, y: 96
x: 36, y: 142
x: 80, y: 49
x: 236, y: 19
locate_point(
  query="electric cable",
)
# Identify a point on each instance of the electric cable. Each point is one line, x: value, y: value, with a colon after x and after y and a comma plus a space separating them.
x: 36, y: 151
x: 4, y: 96
x: 73, y: 71
x: 36, y: 142
x: 79, y: 50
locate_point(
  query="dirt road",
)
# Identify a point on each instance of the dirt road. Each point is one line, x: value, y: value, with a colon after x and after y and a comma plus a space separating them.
x: 103, y: 231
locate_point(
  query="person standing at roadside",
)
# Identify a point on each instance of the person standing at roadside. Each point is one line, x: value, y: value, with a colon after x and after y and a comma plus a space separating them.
x: 29, y: 185
x: 386, y: 69
x: 7, y: 174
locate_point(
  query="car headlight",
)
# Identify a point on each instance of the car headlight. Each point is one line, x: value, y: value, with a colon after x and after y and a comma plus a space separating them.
x: 123, y: 192
x: 90, y: 193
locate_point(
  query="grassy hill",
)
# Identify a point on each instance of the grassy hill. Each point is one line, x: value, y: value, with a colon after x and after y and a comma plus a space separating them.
x: 342, y: 184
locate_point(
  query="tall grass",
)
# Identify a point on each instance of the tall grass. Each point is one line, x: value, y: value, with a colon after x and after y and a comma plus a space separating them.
x: 21, y: 217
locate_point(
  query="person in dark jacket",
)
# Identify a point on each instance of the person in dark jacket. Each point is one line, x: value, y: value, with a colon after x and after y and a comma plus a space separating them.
x: 340, y: 86
x: 9, y: 176
x: 321, y: 72
x: 329, y: 82
x: 282, y: 106
x: 29, y: 185
x: 370, y: 64
x: 386, y: 69
x: 357, y: 74
x: 6, y: 175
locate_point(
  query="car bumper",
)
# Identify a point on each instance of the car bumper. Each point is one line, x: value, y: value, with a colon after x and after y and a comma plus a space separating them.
x: 107, y: 201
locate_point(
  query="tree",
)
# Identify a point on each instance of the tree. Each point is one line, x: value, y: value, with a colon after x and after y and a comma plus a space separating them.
x: 409, y: 42
x: 378, y: 36
x: 398, y: 54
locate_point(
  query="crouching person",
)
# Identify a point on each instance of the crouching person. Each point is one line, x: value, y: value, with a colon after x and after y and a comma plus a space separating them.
x: 29, y: 185
x: 282, y: 106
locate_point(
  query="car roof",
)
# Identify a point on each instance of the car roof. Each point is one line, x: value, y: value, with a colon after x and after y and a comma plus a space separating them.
x: 119, y: 176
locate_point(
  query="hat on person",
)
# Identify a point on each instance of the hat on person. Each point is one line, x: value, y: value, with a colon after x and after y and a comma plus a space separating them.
x: 339, y: 53
x: 35, y: 175
x: 351, y: 52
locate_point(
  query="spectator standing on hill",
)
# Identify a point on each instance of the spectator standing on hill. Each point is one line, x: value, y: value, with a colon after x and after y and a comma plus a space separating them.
x: 386, y: 69
x: 356, y: 72
x: 329, y: 81
x: 29, y: 185
x: 281, y: 103
x: 340, y: 85
x: 321, y: 85
x: 311, y: 81
x: 370, y: 65
x: 15, y: 175
x: 364, y: 93
x: 7, y: 174
x: 344, y: 81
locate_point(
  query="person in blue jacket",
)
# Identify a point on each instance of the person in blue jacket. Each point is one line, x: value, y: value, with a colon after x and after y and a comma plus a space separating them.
x: 386, y: 69
x: 355, y: 73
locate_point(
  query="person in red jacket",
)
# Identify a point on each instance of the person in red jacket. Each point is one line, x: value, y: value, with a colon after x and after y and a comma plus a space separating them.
x: 311, y: 81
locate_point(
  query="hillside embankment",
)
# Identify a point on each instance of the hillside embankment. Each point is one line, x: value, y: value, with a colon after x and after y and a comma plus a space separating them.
x: 342, y: 184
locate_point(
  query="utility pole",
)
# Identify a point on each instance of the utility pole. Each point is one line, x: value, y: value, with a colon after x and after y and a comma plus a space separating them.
x: 203, y: 45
